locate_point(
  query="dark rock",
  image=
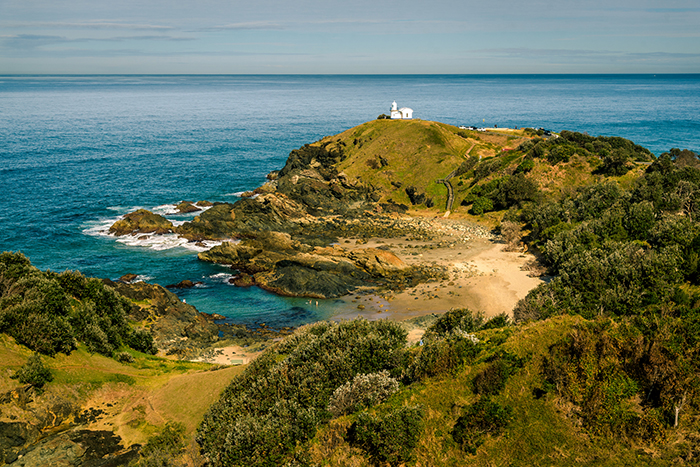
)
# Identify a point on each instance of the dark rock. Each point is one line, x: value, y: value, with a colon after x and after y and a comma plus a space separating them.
x: 128, y: 278
x: 173, y: 321
x: 141, y: 221
x: 187, y: 207
x: 185, y: 284
x: 415, y: 196
x: 276, y: 262
x: 204, y: 204
x: 86, y: 448
x: 243, y: 280
x: 217, y: 222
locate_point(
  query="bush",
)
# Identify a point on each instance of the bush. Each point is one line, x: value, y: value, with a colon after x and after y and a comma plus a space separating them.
x: 390, y: 438
x: 525, y: 166
x: 160, y: 449
x: 455, y: 321
x: 33, y: 372
x: 492, y: 379
x: 48, y: 312
x: 142, y: 340
x: 124, y: 357
x: 443, y: 356
x: 363, y: 391
x: 482, y: 418
x: 481, y: 205
x: 266, y: 416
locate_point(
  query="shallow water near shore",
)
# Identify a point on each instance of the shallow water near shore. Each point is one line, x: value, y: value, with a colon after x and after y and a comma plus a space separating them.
x: 79, y: 151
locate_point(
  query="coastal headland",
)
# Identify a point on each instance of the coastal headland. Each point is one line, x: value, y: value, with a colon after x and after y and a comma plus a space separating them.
x: 362, y: 217
x: 542, y: 292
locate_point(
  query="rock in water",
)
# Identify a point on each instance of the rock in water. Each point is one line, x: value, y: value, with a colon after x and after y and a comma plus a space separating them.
x: 186, y: 207
x: 127, y: 278
x: 141, y: 221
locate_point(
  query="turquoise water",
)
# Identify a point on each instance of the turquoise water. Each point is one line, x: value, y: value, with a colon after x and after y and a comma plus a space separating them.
x: 78, y: 151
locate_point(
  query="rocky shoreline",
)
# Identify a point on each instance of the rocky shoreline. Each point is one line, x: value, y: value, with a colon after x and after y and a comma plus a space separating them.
x: 284, y: 237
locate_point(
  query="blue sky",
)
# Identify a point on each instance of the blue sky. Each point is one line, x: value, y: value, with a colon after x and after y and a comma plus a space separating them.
x: 329, y: 36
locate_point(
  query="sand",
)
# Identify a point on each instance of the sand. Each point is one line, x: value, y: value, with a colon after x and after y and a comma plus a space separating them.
x: 482, y: 277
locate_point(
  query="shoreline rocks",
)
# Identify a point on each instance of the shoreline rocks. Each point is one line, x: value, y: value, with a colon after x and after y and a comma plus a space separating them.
x: 141, y: 221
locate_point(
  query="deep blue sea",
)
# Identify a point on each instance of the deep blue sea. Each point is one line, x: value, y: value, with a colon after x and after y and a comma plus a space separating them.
x: 76, y: 152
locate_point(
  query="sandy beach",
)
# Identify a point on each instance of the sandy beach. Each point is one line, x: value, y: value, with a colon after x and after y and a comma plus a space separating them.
x: 482, y: 276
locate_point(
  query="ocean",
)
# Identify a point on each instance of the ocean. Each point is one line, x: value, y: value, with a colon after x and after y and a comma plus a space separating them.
x: 77, y: 152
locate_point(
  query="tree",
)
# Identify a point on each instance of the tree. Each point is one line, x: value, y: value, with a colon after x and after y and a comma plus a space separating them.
x: 33, y: 372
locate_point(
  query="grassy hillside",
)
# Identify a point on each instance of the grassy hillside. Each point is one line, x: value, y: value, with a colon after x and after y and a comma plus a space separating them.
x: 411, y: 153
x: 134, y: 400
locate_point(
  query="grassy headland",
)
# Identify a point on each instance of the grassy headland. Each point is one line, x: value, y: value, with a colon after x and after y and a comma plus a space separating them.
x: 597, y: 365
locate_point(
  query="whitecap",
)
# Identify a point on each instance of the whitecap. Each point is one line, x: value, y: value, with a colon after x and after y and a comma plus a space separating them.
x: 238, y: 193
x: 142, y: 278
x: 165, y: 209
x: 154, y: 242
x: 222, y: 277
x: 100, y: 228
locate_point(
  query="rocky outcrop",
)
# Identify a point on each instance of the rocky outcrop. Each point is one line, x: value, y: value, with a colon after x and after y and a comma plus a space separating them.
x: 218, y: 222
x: 141, y: 221
x: 184, y: 284
x: 418, y: 197
x: 49, y: 430
x: 278, y: 263
x: 187, y: 207
x: 173, y: 324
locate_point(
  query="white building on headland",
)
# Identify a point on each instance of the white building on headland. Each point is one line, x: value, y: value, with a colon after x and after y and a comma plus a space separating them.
x: 403, y: 112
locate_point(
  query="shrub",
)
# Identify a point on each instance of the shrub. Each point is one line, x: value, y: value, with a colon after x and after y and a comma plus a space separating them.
x: 390, y: 438
x: 363, y: 391
x: 482, y: 418
x: 266, y: 416
x: 481, y: 205
x: 499, y: 321
x: 440, y: 356
x: 142, y: 340
x: 124, y: 357
x: 525, y: 166
x: 492, y: 379
x: 33, y: 372
x: 160, y: 449
x: 455, y: 321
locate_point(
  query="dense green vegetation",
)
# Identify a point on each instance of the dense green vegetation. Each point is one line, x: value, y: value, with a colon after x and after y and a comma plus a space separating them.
x: 51, y: 312
x: 498, y: 183
x: 270, y: 414
x: 33, y: 372
x: 624, y: 258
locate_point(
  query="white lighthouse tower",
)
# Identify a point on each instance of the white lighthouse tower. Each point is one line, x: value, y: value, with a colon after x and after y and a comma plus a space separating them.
x: 402, y: 113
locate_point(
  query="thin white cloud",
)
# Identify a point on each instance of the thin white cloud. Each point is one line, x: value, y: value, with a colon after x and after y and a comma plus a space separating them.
x: 97, y: 24
x: 265, y: 25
